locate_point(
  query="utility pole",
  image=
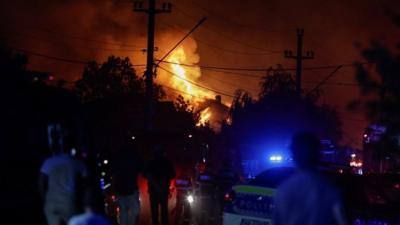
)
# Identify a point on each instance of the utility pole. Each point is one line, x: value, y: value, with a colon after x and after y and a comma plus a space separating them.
x: 151, y: 12
x: 299, y: 57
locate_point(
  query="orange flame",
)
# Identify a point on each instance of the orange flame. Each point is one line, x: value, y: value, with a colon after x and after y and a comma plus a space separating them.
x: 186, y: 76
x: 205, y: 116
x: 184, y: 79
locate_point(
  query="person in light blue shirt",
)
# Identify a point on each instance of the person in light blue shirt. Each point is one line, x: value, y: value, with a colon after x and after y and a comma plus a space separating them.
x: 62, y: 182
x: 307, y: 197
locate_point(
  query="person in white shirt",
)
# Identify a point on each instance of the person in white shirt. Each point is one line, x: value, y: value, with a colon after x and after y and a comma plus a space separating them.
x: 307, y: 197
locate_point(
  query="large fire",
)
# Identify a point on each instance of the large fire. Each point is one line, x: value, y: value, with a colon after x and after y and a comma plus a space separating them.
x: 204, y: 116
x: 184, y: 80
x: 186, y: 76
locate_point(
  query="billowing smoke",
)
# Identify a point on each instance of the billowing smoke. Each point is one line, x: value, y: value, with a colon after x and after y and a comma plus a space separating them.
x: 73, y: 29
x: 236, y: 33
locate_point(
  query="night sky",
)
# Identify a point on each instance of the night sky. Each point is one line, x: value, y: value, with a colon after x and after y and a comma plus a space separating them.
x: 243, y: 34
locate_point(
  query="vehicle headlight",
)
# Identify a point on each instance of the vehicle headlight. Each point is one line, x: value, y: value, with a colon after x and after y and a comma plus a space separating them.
x: 190, y: 198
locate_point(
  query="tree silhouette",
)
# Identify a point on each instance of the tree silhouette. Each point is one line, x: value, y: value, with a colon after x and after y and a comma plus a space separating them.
x: 381, y: 88
x: 277, y: 82
x: 114, y: 77
x: 380, y: 97
x: 113, y: 101
x: 278, y: 113
x: 13, y: 66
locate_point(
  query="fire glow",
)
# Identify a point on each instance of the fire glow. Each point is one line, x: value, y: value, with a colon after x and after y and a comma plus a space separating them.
x: 184, y: 79
x: 186, y: 76
x: 204, y: 116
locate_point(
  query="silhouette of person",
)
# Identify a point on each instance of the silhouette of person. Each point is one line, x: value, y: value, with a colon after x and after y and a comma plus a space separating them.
x: 94, y: 210
x: 159, y: 173
x: 125, y: 171
x: 307, y: 198
x: 61, y: 181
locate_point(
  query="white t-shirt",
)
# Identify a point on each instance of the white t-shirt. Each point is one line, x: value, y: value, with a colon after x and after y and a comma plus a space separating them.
x: 306, y: 198
x: 63, y: 173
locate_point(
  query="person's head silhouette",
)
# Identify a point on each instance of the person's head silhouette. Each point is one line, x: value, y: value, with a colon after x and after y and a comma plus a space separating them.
x: 305, y: 148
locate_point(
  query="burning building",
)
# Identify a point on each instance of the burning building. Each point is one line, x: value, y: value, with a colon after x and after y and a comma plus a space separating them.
x: 213, y: 112
x: 182, y: 76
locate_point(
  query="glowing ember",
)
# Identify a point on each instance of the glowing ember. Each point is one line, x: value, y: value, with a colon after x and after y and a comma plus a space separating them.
x: 205, y: 116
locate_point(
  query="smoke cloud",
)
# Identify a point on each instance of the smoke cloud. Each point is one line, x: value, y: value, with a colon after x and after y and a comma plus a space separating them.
x: 235, y: 34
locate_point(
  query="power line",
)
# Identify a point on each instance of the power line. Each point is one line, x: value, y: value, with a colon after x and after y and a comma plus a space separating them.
x: 196, y: 84
x: 230, y: 72
x: 52, y: 57
x: 215, y: 69
x: 334, y: 83
x: 180, y: 41
x: 325, y: 79
x: 221, y: 48
x: 234, y: 73
x: 226, y: 36
x: 238, y: 52
x: 334, y: 66
x: 236, y: 24
x: 258, y: 77
x: 229, y: 83
x: 162, y: 85
x: 88, y: 39
x: 62, y: 59
x: 51, y: 41
x: 263, y: 69
x: 181, y: 92
x: 70, y: 36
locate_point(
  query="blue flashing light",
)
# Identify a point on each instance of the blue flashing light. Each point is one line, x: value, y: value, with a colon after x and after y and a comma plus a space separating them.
x: 275, y: 158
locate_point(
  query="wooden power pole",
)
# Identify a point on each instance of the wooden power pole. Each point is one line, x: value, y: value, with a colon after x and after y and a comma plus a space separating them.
x: 151, y: 11
x: 299, y: 57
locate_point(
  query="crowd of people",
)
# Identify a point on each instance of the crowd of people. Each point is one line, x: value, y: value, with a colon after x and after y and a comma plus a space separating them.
x: 72, y: 197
